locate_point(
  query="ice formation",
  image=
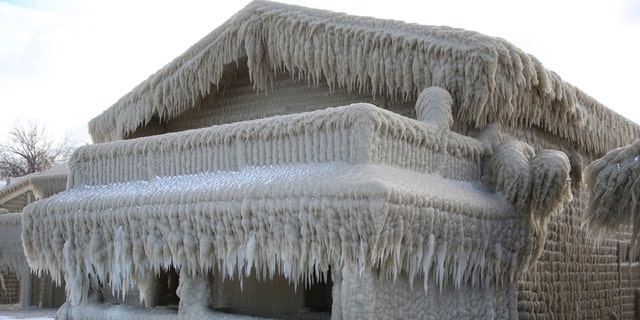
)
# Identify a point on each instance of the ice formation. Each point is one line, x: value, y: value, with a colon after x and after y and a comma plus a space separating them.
x: 613, y: 182
x: 536, y: 183
x: 434, y: 108
x: 42, y: 184
x: 49, y: 182
x: 356, y: 187
x: 12, y: 257
x: 383, y: 201
x: 491, y: 80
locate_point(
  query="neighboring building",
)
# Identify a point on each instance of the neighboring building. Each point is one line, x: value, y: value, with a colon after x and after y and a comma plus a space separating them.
x: 17, y: 284
x: 304, y: 164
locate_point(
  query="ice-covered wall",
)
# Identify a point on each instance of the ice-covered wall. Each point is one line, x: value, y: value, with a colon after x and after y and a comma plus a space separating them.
x: 361, y: 187
x: 491, y: 80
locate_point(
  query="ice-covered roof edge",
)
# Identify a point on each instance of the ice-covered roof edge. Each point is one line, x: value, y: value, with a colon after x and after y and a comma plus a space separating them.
x: 490, y: 79
x: 306, y: 220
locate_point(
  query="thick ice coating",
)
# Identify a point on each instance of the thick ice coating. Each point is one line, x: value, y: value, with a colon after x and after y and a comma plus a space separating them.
x: 410, y: 219
x: 356, y: 187
x: 42, y: 185
x: 614, y: 186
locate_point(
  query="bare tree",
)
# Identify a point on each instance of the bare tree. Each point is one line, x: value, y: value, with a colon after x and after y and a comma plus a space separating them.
x: 29, y: 148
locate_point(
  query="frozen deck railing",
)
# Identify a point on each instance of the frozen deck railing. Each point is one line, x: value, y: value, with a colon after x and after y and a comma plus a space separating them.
x: 359, y: 133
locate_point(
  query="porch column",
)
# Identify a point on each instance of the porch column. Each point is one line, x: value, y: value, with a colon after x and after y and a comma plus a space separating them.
x: 367, y: 295
x: 196, y: 295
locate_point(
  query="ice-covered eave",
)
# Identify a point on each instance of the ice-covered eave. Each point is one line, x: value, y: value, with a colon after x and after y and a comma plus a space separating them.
x: 292, y: 219
x: 357, y: 133
x: 491, y: 80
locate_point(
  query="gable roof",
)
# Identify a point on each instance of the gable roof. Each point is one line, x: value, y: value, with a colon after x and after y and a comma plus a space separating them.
x: 489, y: 79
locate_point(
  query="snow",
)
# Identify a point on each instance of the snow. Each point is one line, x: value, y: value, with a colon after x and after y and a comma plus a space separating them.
x: 14, y: 312
x: 25, y: 316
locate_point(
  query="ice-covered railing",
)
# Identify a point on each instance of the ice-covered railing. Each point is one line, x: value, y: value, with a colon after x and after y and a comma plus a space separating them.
x: 354, y: 134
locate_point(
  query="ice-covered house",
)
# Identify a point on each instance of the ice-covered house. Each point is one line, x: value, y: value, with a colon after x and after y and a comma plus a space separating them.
x: 17, y: 284
x: 303, y: 164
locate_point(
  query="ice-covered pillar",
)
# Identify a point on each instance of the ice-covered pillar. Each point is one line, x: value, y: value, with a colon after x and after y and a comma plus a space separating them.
x: 196, y: 295
x: 434, y: 107
x: 367, y: 295
x: 148, y: 287
x: 352, y: 295
x: 26, y: 290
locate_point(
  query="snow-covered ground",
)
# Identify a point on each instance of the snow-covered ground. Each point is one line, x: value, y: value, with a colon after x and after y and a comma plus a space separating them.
x: 11, y: 312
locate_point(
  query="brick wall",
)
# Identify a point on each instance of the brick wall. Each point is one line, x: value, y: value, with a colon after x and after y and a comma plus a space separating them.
x: 12, y: 285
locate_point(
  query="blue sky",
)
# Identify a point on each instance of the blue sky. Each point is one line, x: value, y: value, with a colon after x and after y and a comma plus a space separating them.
x: 63, y: 62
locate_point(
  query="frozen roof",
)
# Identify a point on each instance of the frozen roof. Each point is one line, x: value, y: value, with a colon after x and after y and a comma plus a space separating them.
x: 489, y: 78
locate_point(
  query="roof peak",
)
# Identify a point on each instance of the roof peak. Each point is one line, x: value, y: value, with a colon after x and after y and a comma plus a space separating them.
x: 491, y: 80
